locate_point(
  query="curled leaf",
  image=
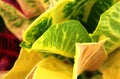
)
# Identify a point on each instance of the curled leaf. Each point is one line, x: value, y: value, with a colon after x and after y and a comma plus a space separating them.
x: 89, y: 56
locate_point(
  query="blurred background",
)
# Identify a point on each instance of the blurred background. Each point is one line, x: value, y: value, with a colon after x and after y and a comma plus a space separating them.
x: 15, y: 17
x: 9, y: 47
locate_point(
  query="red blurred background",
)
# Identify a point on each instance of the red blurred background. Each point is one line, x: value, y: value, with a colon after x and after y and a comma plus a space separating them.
x: 9, y: 47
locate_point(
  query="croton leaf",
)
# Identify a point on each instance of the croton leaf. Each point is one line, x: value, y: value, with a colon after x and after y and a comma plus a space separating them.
x: 63, y: 10
x: 13, y: 19
x: 88, y: 56
x: 31, y: 8
x: 42, y: 23
x: 51, y: 68
x: 109, y: 28
x: 23, y: 65
x: 28, y: 8
x: 98, y: 8
x: 48, y: 3
x: 61, y: 38
x: 111, y: 67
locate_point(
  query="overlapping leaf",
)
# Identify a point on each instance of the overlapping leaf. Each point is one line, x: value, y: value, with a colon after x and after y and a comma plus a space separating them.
x: 109, y: 28
x: 63, y: 10
x: 51, y: 68
x: 61, y: 38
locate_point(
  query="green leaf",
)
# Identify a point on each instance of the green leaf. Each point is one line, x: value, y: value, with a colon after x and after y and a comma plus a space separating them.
x: 98, y: 8
x: 62, y: 11
x: 61, y: 38
x: 109, y: 28
x: 43, y: 22
x: 79, y: 10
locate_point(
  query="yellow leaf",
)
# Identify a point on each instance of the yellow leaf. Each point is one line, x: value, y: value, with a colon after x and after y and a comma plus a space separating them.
x: 111, y: 68
x: 51, y: 68
x: 23, y: 65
